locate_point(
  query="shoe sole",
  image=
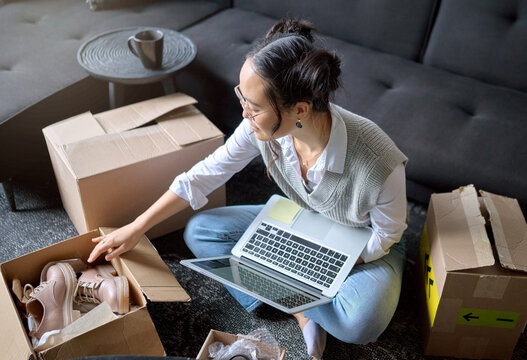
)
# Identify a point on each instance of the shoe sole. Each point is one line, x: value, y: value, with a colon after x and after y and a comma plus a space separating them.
x: 70, y: 279
x: 121, y: 283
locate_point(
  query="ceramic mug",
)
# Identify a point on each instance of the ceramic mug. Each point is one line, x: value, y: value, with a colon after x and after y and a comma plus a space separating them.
x: 147, y: 45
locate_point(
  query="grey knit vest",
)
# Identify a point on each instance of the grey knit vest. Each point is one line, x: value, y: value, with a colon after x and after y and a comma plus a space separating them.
x: 346, y: 198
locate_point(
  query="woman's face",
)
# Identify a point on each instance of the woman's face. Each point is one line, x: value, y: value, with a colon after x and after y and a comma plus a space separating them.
x: 257, y: 108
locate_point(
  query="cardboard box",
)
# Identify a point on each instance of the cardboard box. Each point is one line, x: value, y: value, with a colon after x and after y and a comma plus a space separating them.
x: 110, y: 167
x: 474, y: 307
x: 133, y: 333
x: 226, y: 339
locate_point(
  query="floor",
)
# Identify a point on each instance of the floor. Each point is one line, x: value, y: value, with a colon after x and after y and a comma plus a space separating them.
x: 40, y: 220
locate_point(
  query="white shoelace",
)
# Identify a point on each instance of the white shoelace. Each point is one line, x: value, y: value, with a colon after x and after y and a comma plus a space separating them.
x: 85, y: 292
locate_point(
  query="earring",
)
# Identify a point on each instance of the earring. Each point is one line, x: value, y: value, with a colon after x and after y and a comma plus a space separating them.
x: 298, y: 124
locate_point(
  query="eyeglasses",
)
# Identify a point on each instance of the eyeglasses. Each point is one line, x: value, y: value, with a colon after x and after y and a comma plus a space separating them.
x: 243, y: 102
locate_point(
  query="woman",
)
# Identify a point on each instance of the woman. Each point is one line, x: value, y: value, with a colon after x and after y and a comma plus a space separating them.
x: 322, y: 157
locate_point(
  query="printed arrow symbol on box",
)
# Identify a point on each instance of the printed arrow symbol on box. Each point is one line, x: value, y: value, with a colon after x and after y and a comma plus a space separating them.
x: 468, y: 317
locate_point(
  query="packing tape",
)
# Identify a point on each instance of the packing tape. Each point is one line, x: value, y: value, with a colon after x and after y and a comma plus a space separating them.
x: 497, y: 229
x: 446, y: 319
x: 476, y: 225
x: 491, y: 287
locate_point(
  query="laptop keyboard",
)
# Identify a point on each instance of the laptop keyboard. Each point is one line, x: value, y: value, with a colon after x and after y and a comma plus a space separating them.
x: 271, y: 289
x: 295, y: 255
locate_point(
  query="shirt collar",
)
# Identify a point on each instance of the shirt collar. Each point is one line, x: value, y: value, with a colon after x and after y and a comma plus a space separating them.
x: 335, y: 152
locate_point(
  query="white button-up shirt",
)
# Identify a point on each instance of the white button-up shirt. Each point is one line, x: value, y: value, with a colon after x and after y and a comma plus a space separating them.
x: 388, y: 217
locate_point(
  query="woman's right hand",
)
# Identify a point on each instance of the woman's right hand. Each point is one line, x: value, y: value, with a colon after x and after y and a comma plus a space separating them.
x: 115, y: 243
x: 126, y: 238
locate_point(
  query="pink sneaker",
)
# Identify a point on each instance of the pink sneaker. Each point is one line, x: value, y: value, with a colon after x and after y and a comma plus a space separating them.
x: 51, y: 303
x: 98, y: 284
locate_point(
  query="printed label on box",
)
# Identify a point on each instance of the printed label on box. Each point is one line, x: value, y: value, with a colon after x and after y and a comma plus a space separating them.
x: 432, y: 296
x: 490, y: 318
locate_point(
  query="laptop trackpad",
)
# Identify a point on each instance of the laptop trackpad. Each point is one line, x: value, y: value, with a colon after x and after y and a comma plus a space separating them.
x: 312, y: 224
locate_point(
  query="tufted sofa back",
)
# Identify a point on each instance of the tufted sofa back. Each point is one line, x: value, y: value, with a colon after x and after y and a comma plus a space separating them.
x: 482, y: 39
x: 395, y: 27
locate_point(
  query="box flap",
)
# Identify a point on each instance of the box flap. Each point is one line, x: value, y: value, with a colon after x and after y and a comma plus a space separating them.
x: 213, y: 336
x: 138, y: 114
x: 103, y: 153
x: 14, y: 342
x: 80, y: 127
x: 188, y: 125
x: 461, y: 230
x: 153, y: 276
x: 131, y: 334
x: 509, y: 229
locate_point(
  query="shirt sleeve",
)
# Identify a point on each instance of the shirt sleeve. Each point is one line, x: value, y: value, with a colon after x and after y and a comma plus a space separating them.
x: 214, y: 171
x: 388, y: 217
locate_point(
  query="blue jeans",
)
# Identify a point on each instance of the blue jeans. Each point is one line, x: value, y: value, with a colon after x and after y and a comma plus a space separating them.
x: 361, y: 310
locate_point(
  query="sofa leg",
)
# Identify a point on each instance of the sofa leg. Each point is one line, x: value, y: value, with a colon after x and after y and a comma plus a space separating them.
x: 9, y: 193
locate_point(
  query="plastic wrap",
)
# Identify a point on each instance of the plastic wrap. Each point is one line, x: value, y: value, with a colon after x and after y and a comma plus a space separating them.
x: 260, y: 344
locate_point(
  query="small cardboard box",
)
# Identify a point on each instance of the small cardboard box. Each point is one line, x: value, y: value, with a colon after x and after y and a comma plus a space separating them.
x: 133, y: 333
x: 226, y: 339
x: 110, y: 167
x: 474, y: 307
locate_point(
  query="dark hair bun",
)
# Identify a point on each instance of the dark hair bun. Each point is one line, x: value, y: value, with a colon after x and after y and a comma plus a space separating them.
x: 292, y: 26
x: 294, y: 67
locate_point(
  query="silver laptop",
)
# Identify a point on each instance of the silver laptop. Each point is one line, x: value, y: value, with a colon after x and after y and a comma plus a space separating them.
x: 289, y: 257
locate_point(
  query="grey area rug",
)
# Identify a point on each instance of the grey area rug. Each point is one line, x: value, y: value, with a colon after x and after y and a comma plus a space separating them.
x: 41, y: 221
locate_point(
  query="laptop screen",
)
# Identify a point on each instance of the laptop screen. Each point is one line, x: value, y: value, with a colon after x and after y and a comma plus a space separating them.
x: 256, y: 282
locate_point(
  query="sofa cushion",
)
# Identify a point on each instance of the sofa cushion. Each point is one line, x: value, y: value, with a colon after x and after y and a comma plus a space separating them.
x: 53, y: 30
x: 455, y: 130
x: 396, y: 27
x: 483, y: 39
x: 40, y: 79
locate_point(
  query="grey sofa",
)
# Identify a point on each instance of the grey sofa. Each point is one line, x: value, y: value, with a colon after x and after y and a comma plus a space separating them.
x: 446, y: 79
x: 40, y: 79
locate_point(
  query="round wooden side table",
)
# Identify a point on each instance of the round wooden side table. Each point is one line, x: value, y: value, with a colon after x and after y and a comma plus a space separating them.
x: 107, y: 57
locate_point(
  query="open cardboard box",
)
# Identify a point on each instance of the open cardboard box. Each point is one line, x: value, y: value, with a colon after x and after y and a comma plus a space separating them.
x: 474, y: 307
x: 132, y: 334
x: 111, y: 166
x: 226, y: 339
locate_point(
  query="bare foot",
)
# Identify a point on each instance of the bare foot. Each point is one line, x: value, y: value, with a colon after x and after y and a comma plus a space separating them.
x: 314, y: 336
x: 302, y: 320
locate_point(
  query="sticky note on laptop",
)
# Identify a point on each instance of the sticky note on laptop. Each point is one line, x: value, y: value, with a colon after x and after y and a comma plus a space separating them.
x: 284, y: 211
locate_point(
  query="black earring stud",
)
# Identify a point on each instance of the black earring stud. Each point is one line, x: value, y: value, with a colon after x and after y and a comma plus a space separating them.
x: 299, y: 124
